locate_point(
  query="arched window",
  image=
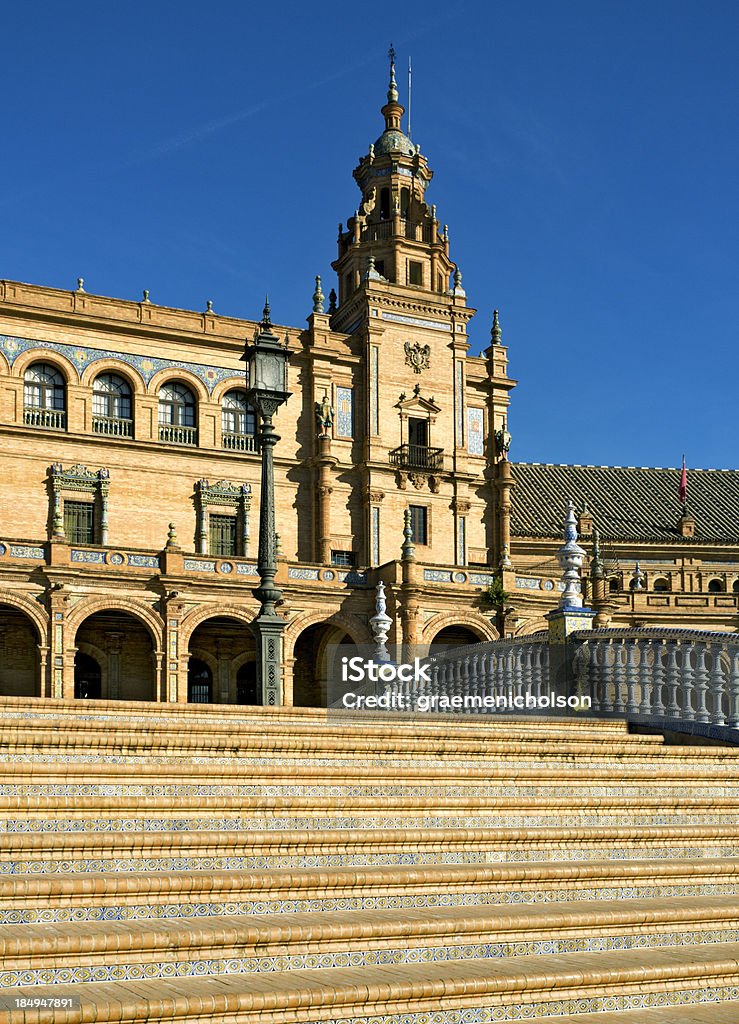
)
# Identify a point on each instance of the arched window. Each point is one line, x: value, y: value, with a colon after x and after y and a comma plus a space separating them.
x: 111, y: 405
x: 661, y: 585
x: 177, y: 414
x: 715, y: 586
x: 239, y: 422
x: 614, y: 584
x: 44, y: 397
x: 735, y: 588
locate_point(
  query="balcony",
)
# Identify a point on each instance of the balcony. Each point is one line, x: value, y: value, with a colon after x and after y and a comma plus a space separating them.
x: 415, y: 230
x: 172, y: 434
x: 240, y: 442
x: 48, y: 419
x: 112, y: 426
x: 417, y: 456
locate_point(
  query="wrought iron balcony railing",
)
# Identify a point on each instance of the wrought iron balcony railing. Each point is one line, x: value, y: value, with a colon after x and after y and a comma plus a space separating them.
x: 112, y: 426
x: 51, y: 419
x: 172, y: 434
x: 240, y: 442
x: 417, y: 456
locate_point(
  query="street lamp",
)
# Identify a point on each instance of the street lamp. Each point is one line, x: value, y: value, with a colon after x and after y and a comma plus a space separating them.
x: 266, y: 376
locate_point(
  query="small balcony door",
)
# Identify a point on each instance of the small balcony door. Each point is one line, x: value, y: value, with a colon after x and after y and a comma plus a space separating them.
x: 418, y: 432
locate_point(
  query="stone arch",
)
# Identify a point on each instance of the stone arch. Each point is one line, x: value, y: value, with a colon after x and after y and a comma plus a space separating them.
x: 22, y: 650
x: 110, y: 365
x: 204, y: 655
x: 46, y: 355
x: 532, y: 626
x: 35, y: 613
x: 235, y: 383
x: 4, y: 365
x: 138, y: 609
x: 177, y: 373
x: 346, y: 621
x: 190, y: 622
x: 473, y: 621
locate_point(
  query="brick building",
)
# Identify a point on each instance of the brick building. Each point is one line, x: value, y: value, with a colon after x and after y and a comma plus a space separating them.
x: 130, y: 485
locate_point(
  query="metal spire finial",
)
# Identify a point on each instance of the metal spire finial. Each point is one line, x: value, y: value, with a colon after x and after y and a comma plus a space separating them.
x: 392, y: 92
x: 408, y: 550
x: 266, y: 322
x: 318, y: 297
x: 495, y: 332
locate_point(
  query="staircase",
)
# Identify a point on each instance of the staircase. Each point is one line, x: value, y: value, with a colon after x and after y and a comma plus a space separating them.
x: 183, y: 863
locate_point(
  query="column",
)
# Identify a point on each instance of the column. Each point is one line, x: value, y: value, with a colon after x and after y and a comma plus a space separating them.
x: 113, y: 650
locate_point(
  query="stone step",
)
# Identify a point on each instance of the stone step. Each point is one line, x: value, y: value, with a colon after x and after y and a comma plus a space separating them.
x: 89, y: 896
x: 531, y: 986
x: 87, y: 952
x: 257, y: 716
x: 383, y: 775
x: 207, y: 850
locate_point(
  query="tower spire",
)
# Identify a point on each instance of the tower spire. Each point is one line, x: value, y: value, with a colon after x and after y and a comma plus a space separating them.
x: 392, y: 92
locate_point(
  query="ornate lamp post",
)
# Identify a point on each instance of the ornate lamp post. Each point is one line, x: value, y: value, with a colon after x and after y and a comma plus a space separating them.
x: 266, y: 373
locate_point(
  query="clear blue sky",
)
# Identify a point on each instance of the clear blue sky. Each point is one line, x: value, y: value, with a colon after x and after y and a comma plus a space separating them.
x: 585, y: 158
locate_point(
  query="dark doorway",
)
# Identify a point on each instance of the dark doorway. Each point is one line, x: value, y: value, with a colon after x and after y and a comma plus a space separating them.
x: 199, y: 682
x: 418, y: 432
x: 87, y: 678
x: 246, y: 684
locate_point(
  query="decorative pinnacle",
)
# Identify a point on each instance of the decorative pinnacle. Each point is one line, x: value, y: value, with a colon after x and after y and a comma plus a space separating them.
x: 318, y: 297
x: 332, y: 301
x: 408, y: 551
x: 597, y: 567
x: 457, y: 277
x: 392, y: 92
x: 146, y: 295
x: 495, y: 332
x: 80, y: 284
x: 172, y: 536
x: 266, y: 322
x: 209, y: 306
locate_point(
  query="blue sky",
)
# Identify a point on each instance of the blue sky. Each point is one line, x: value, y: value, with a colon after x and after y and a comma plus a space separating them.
x: 585, y: 158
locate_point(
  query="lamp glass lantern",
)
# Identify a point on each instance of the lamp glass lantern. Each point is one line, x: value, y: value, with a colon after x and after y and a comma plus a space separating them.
x: 266, y: 371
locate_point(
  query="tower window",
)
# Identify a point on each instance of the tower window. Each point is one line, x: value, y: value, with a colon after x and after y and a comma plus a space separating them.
x: 384, y: 204
x: 419, y: 523
x: 405, y: 200
x: 380, y: 267
x: 415, y: 272
x: 344, y: 558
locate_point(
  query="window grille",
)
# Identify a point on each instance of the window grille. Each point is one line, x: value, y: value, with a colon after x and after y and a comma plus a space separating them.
x: 79, y: 522
x: 222, y: 530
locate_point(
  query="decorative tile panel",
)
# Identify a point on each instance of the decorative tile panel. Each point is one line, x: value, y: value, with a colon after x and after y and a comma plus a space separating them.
x: 437, y: 575
x: 26, y: 551
x: 144, y: 561
x: 527, y: 583
x: 295, y: 573
x: 416, y: 321
x: 344, y: 412
x: 481, y: 579
x: 200, y: 565
x: 147, y: 366
x: 92, y: 557
x: 475, y: 436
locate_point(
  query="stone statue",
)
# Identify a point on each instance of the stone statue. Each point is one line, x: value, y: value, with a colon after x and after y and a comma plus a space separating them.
x: 324, y: 414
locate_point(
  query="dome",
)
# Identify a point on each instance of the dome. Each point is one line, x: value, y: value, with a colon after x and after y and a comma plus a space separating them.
x: 393, y: 140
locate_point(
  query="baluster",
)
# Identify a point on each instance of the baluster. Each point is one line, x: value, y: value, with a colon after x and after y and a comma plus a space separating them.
x: 658, y: 677
x: 537, y: 669
x: 717, y: 685
x: 618, y: 672
x: 527, y: 674
x: 600, y: 690
x: 687, y: 681
x: 733, y: 719
x: 701, y: 682
x: 632, y: 677
x: 646, y: 648
x: 508, y: 682
x: 518, y: 672
x: 673, y: 680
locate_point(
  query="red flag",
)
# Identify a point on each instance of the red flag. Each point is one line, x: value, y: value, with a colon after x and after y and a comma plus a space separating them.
x: 682, y: 491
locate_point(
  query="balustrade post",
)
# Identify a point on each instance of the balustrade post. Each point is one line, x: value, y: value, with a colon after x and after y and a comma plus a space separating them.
x: 646, y: 685
x: 658, y: 676
x: 618, y: 664
x: 687, y: 679
x: 733, y: 720
x: 717, y: 686
x: 673, y: 680
x: 632, y: 677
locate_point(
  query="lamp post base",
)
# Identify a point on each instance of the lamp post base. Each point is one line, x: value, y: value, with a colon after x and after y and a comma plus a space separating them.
x: 268, y: 631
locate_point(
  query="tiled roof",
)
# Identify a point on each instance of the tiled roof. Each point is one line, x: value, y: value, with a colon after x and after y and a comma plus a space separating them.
x: 626, y: 502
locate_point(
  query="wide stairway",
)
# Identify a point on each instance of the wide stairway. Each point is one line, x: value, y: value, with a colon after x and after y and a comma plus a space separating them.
x: 252, y: 865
